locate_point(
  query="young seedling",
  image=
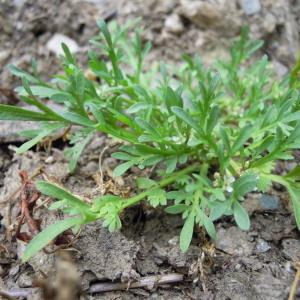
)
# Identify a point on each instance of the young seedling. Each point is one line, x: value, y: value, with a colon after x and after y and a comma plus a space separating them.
x: 211, y: 134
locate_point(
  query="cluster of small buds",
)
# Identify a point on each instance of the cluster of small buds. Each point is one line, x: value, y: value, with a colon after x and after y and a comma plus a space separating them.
x: 228, y: 181
x: 177, y: 139
x: 217, y: 179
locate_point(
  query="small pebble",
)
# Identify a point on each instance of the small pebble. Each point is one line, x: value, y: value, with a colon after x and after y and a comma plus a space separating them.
x: 173, y: 24
x: 4, y: 55
x: 282, y: 70
x: 54, y: 44
x: 25, y: 281
x: 269, y: 202
x: 262, y: 246
x: 18, y: 2
x: 250, y: 7
x: 49, y: 160
x: 173, y: 241
x: 288, y: 267
x: 90, y: 168
x: 14, y: 270
x: 291, y: 249
x: 269, y: 23
x: 234, y: 241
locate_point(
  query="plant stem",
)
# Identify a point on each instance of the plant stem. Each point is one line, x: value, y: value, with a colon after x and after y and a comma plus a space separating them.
x: 164, y: 182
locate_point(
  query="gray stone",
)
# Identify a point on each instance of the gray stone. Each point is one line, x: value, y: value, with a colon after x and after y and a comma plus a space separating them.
x: 250, y: 7
x: 178, y: 259
x: 97, y: 2
x: 269, y: 23
x: 90, y: 168
x: 18, y: 3
x: 173, y: 24
x: 4, y: 55
x: 233, y: 241
x: 14, y: 270
x: 262, y: 246
x: 267, y: 286
x: 291, y: 249
x: 235, y: 285
x: 255, y: 202
x: 58, y: 169
x: 280, y: 69
x: 269, y: 202
x: 201, y: 13
x: 25, y: 280
x: 42, y: 262
x: 54, y: 44
x: 9, y: 130
x: 220, y: 15
x: 107, y: 255
x: 49, y: 160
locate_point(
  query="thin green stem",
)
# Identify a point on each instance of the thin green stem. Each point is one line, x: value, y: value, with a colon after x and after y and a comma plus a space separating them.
x: 164, y: 182
x: 45, y: 109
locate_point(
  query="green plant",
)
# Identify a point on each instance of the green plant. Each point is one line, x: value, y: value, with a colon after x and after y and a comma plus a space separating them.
x: 213, y: 134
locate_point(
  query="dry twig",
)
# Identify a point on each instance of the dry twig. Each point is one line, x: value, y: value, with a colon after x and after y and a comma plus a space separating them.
x: 28, y: 196
x: 17, y: 293
x: 295, y: 282
x: 146, y: 282
x: 10, y: 198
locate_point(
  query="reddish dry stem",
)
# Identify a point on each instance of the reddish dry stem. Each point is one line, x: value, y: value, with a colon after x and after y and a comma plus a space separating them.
x: 28, y: 197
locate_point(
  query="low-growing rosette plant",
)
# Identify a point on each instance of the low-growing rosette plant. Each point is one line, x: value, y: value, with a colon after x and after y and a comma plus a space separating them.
x: 211, y: 135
